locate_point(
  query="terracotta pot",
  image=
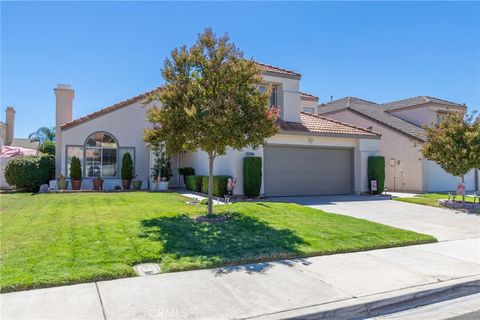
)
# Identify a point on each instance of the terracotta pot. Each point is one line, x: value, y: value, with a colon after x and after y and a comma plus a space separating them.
x: 126, y: 184
x: 62, y: 184
x: 76, y: 184
x: 97, y: 184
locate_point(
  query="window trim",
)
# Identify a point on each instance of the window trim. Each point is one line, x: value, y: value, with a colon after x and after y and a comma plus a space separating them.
x: 85, y: 150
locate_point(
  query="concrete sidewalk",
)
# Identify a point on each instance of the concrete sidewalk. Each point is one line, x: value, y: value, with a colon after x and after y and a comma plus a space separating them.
x: 293, y: 288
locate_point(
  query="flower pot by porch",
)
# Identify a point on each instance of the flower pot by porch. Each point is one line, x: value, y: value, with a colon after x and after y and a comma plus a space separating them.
x: 62, y: 184
x: 97, y: 184
x: 137, y: 184
x: 126, y: 183
x: 76, y: 184
x: 163, y: 186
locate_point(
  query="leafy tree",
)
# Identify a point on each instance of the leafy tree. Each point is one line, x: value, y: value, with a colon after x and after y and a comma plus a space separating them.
x: 454, y: 144
x: 43, y: 134
x: 47, y: 147
x: 210, y: 102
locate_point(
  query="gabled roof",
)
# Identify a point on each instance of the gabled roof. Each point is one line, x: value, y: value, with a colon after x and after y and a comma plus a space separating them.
x: 308, y: 97
x: 109, y: 109
x: 264, y: 67
x: 313, y: 124
x: 276, y: 70
x: 415, y: 101
x: 372, y: 111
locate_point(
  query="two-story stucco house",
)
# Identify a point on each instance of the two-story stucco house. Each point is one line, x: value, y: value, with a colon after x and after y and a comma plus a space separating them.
x: 401, y: 125
x: 311, y: 155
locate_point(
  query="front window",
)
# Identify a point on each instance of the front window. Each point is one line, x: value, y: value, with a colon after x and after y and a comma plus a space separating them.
x: 101, y: 156
x: 309, y: 110
x: 72, y: 151
x: 273, y: 93
x: 441, y: 117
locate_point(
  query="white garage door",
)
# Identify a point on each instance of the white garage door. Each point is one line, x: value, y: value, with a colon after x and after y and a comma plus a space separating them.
x: 297, y: 171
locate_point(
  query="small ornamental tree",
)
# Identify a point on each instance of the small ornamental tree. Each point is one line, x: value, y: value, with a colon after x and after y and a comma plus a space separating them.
x: 454, y: 144
x: 75, y: 168
x: 127, y: 167
x: 210, y: 101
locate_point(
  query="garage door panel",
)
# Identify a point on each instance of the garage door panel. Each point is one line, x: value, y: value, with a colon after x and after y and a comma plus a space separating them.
x: 307, y: 171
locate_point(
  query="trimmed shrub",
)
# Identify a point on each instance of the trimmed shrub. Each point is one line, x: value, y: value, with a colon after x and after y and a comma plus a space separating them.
x: 127, y: 166
x: 219, y: 185
x: 48, y: 148
x: 193, y: 183
x: 252, y: 176
x: 29, y: 173
x: 187, y: 171
x: 376, y: 171
x: 75, y: 169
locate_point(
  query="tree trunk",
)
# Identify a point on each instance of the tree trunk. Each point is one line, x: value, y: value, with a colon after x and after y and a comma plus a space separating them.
x: 211, y: 158
x: 463, y: 193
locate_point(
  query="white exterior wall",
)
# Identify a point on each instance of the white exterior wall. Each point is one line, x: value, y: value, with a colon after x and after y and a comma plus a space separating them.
x: 288, y: 96
x: 404, y: 176
x: 232, y: 163
x: 308, y: 103
x: 126, y: 125
x: 440, y: 181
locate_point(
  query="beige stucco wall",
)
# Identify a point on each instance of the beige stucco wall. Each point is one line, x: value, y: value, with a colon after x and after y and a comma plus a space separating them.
x: 423, y: 115
x: 232, y: 162
x: 288, y: 96
x: 126, y: 125
x: 404, y: 176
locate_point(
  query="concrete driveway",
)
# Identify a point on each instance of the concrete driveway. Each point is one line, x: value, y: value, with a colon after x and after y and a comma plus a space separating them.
x: 444, y: 224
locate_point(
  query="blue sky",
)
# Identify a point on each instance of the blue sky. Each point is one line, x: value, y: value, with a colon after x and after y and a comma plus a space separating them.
x: 109, y: 51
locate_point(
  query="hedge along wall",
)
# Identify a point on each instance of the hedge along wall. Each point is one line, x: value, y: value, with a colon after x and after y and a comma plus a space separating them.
x: 376, y: 171
x: 30, y: 173
x: 193, y: 183
x: 252, y: 176
x: 219, y: 185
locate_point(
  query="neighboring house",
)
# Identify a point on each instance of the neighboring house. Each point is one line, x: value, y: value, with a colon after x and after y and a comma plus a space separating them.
x: 7, y: 127
x: 401, y: 125
x: 311, y: 155
x: 12, y: 147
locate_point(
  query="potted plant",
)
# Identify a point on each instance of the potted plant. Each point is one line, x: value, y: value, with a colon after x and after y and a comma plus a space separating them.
x: 127, y: 170
x: 137, y: 183
x: 76, y: 173
x: 97, y: 181
x: 62, y: 184
x: 161, y: 170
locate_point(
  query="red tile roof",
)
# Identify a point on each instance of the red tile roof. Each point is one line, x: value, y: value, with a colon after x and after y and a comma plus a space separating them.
x: 321, y: 125
x: 307, y: 96
x: 277, y: 70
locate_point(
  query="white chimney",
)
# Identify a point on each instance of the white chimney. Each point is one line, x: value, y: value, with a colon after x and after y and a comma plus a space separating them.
x: 63, y: 109
x: 10, y: 122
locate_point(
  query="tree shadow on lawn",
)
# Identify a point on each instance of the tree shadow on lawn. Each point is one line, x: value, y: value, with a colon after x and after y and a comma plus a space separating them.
x: 240, y: 239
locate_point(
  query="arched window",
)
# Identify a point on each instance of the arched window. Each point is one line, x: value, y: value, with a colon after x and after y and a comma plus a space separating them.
x: 101, y: 155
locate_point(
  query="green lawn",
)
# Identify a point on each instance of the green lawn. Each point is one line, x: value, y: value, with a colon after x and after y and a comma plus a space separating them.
x: 56, y: 239
x: 430, y: 199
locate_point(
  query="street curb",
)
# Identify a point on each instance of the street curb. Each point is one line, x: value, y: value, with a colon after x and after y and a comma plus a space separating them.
x: 384, y: 303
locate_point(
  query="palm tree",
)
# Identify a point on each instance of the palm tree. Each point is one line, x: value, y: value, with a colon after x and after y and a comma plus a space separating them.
x: 43, y: 134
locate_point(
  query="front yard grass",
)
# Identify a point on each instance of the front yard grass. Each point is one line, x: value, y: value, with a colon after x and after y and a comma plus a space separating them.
x: 430, y: 199
x: 58, y: 239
